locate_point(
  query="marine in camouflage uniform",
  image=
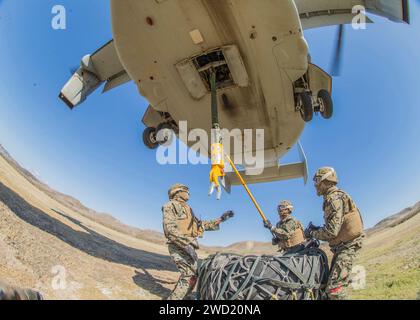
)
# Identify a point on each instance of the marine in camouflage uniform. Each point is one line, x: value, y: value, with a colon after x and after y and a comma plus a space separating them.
x: 181, y: 228
x: 343, y: 230
x: 12, y: 293
x: 288, y: 233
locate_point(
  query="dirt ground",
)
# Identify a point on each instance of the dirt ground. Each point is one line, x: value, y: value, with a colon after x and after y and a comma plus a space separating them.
x: 48, y: 247
x: 51, y: 247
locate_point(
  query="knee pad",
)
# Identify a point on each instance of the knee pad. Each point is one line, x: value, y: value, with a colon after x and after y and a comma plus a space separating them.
x: 336, y: 293
x: 192, y: 281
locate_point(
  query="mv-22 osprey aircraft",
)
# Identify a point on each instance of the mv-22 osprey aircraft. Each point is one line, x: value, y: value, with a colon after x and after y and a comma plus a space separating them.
x: 264, y: 75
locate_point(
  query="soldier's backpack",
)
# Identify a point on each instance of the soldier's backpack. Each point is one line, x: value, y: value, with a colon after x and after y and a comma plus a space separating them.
x: 295, y: 275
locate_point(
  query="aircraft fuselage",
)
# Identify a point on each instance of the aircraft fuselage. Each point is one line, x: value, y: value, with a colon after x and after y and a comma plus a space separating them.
x: 153, y: 36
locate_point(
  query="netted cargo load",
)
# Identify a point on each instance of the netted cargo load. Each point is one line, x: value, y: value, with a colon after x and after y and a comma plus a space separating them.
x: 297, y: 275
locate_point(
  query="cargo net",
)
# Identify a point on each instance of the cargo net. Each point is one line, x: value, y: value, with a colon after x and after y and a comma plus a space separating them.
x: 298, y: 275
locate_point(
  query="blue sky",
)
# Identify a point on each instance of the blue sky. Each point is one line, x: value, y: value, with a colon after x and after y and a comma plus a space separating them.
x: 95, y: 152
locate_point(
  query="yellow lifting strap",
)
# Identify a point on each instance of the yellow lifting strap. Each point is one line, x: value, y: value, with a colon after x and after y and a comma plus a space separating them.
x: 217, y: 162
x: 217, y: 168
x: 311, y: 294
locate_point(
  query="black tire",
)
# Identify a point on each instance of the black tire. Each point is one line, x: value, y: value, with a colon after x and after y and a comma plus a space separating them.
x: 149, y: 138
x: 325, y: 96
x: 166, y: 137
x: 307, y: 110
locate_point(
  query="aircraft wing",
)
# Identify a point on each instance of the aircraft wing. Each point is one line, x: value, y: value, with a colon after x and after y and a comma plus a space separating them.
x: 102, y: 66
x: 320, y: 13
x: 277, y: 172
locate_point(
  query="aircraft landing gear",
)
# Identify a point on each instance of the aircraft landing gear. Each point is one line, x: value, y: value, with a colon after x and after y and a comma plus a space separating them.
x: 326, y: 106
x: 306, y: 104
x: 149, y: 138
x: 162, y: 135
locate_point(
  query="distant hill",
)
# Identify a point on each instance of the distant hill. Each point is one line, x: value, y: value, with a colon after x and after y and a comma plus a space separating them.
x: 41, y: 229
x: 246, y: 247
x: 44, y: 233
x: 255, y: 247
x: 243, y: 247
x: 74, y: 204
x: 391, y: 257
x: 396, y: 219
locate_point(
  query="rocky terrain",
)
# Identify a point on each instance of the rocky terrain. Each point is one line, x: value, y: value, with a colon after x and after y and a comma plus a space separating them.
x: 53, y: 243
x: 391, y: 257
x: 74, y: 204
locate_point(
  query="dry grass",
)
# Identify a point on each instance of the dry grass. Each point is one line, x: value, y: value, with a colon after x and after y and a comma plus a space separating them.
x: 392, y: 261
x: 40, y: 228
x: 38, y: 233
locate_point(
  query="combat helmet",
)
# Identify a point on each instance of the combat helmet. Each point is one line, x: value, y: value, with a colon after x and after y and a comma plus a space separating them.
x: 177, y: 187
x: 285, y: 204
x: 325, y: 174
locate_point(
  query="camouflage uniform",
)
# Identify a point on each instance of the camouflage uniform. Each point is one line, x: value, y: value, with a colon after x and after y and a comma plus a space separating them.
x: 287, y: 229
x: 336, y: 204
x: 11, y: 293
x: 176, y: 212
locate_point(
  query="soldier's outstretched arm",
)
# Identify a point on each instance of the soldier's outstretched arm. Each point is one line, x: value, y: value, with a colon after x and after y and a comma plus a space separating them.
x: 211, y: 225
x: 333, y: 223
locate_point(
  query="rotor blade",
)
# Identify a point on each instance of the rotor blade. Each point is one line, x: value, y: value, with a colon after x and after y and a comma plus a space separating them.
x: 336, y: 64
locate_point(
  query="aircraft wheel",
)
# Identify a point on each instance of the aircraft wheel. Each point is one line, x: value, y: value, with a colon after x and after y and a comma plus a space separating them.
x: 149, y: 138
x: 306, y: 107
x: 328, y: 107
x: 164, y: 134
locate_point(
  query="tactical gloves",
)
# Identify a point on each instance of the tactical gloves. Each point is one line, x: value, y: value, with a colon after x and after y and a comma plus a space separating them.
x: 309, y: 229
x: 227, y: 215
x: 191, y: 252
x: 194, y: 244
x: 307, y: 233
x: 275, y: 241
x: 267, y: 224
